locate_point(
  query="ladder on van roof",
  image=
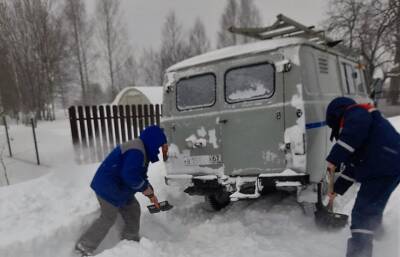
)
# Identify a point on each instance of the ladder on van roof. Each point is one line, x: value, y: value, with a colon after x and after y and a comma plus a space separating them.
x: 286, y: 27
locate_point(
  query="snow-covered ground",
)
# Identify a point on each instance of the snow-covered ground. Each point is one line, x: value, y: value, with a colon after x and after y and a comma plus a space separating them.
x: 43, y: 217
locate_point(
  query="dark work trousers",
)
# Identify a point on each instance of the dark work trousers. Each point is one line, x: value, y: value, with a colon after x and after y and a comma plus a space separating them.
x: 98, y: 230
x: 367, y: 214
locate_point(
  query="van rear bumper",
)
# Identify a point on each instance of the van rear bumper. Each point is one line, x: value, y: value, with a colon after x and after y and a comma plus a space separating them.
x: 211, y: 184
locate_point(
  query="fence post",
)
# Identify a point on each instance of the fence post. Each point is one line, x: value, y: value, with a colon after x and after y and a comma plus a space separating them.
x: 140, y: 117
x: 8, y: 137
x: 73, y: 121
x: 158, y: 114
x: 128, y: 121
x: 152, y: 114
x: 116, y: 125
x: 122, y: 120
x: 135, y: 121
x: 104, y: 142
x: 146, y: 115
x: 35, y: 141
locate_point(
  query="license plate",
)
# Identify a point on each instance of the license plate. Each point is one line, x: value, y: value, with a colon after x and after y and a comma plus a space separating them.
x: 202, y: 160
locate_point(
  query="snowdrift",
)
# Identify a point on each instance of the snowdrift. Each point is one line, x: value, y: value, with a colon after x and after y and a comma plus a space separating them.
x: 45, y: 216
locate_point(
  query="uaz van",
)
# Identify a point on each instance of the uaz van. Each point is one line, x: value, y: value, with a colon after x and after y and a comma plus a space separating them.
x: 248, y: 119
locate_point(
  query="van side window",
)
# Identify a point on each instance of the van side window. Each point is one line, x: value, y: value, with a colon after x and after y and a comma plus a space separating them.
x: 349, y: 78
x: 310, y: 74
x: 196, y: 92
x: 249, y: 83
x: 327, y: 76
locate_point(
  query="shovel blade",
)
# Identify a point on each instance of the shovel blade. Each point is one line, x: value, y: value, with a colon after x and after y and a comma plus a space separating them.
x: 330, y: 220
x: 164, y: 206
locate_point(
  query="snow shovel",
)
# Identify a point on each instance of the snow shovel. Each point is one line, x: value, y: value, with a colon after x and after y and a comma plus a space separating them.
x: 324, y: 216
x: 164, y: 206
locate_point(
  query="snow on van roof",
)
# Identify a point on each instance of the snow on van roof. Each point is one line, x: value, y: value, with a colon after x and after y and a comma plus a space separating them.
x: 232, y: 51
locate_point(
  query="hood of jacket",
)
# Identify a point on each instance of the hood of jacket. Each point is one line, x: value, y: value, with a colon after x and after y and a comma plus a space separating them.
x: 153, y: 138
x: 335, y: 112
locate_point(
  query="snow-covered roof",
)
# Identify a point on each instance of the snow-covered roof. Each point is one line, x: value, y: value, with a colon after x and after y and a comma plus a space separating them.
x: 154, y: 94
x: 233, y: 51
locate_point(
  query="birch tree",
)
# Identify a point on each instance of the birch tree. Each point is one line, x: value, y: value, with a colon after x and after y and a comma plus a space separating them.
x: 173, y: 45
x: 244, y: 14
x: 81, y: 32
x: 115, y: 50
x: 33, y: 35
x: 229, y: 18
x: 198, y: 41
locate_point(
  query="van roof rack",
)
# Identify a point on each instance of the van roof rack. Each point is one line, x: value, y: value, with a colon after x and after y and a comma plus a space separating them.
x: 286, y: 27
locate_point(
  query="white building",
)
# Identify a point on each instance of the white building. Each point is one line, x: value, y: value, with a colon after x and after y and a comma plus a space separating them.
x: 139, y: 95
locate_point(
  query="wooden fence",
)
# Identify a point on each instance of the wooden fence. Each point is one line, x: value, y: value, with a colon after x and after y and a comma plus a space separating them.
x: 96, y: 130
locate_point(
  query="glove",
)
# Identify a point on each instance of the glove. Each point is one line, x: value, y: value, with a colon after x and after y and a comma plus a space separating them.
x: 331, y: 167
x: 149, y: 192
x: 332, y: 196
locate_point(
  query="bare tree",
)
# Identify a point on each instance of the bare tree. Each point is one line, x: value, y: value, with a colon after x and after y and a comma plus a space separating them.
x: 173, y: 46
x: 363, y: 25
x: 176, y: 45
x: 229, y: 18
x: 128, y: 75
x: 394, y: 45
x: 81, y: 32
x: 33, y: 35
x: 116, y: 51
x: 344, y: 19
x: 198, y: 41
x: 8, y: 95
x: 249, y: 16
x: 243, y: 14
x: 150, y: 67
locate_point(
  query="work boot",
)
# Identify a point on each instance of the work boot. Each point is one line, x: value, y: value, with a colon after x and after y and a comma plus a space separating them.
x: 84, y: 251
x: 359, y: 247
x: 379, y: 233
x: 130, y: 237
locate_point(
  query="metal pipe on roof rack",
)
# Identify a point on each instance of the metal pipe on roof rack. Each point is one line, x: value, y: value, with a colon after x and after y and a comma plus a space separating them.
x: 303, y: 34
x: 280, y: 33
x: 234, y: 29
x: 256, y: 32
x: 293, y: 22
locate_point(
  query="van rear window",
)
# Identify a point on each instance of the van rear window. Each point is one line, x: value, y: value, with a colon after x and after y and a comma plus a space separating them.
x: 249, y: 83
x: 196, y: 92
x: 350, y: 76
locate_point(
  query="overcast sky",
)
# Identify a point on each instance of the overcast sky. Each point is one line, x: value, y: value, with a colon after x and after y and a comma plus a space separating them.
x: 145, y: 18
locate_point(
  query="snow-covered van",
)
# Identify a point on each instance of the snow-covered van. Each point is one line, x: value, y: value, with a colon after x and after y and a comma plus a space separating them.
x: 248, y: 119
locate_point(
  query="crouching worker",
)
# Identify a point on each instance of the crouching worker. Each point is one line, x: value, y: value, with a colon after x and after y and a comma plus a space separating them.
x: 122, y: 174
x: 368, y: 151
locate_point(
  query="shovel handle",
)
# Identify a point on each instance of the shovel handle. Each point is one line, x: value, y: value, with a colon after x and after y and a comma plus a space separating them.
x: 331, y: 186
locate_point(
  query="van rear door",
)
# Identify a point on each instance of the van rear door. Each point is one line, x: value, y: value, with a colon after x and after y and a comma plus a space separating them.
x: 252, y: 119
x: 193, y: 133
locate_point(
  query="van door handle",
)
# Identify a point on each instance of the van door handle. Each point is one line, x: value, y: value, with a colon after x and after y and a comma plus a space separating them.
x: 223, y: 121
x: 278, y: 115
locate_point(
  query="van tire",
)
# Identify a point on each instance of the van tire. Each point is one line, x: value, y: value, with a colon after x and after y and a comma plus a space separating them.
x: 217, y: 201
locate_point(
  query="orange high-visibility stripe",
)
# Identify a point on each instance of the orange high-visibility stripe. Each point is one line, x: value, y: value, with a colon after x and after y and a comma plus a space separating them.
x: 367, y: 106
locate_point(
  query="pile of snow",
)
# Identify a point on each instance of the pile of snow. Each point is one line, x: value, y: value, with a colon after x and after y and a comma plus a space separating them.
x: 45, y: 216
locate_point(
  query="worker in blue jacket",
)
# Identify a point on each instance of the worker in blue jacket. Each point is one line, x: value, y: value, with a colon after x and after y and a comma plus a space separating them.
x: 122, y: 174
x: 367, y: 150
